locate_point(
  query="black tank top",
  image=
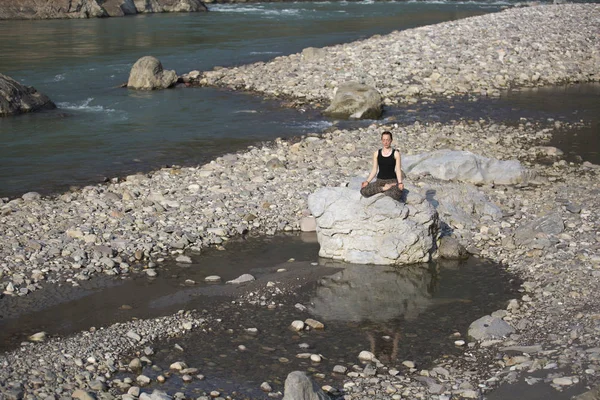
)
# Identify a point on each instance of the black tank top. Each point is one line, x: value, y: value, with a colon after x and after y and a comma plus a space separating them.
x: 386, y: 166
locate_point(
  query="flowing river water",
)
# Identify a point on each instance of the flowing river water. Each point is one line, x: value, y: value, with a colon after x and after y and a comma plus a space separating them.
x: 101, y: 131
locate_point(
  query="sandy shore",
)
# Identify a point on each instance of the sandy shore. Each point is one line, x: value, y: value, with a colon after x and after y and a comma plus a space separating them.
x: 135, y: 223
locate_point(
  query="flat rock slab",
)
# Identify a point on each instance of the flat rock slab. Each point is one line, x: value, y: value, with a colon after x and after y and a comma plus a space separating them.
x: 489, y: 327
x: 453, y: 165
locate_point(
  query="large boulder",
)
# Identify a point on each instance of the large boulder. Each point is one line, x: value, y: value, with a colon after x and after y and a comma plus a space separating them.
x: 35, y: 9
x: 298, y: 386
x: 148, y: 74
x: 374, y: 230
x: 355, y: 100
x: 465, y: 166
x: 119, y: 8
x: 18, y: 99
x: 153, y: 6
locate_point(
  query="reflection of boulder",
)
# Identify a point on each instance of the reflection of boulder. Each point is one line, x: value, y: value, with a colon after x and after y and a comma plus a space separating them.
x: 374, y: 230
x: 18, y: 99
x: 373, y: 293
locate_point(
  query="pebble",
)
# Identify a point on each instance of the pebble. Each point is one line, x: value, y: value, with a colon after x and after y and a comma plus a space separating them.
x: 314, y: 324
x: 212, y: 278
x: 297, y: 325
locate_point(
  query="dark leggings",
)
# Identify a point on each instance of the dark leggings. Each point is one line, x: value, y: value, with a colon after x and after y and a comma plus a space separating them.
x: 377, y: 187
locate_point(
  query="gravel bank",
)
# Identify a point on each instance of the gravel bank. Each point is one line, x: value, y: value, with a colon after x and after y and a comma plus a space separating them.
x: 481, y: 55
x: 558, y: 311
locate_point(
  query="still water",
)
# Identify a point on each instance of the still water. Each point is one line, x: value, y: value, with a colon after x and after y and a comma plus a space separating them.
x: 102, y: 131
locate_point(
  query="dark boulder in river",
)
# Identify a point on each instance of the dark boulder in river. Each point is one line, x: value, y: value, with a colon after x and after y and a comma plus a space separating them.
x: 35, y: 9
x: 18, y: 99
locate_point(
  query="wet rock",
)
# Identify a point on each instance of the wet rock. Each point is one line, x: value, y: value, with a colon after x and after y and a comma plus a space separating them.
x: 212, y: 278
x: 450, y: 248
x: 148, y: 74
x: 298, y: 386
x: 346, y: 222
x: 18, y: 99
x: 314, y: 324
x: 489, y: 327
x: 297, y: 325
x: 241, y: 279
x: 356, y: 101
x: 38, y: 337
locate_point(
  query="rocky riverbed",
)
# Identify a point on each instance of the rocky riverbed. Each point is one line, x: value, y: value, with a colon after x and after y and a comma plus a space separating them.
x: 478, y: 56
x: 546, y: 235
x: 138, y: 222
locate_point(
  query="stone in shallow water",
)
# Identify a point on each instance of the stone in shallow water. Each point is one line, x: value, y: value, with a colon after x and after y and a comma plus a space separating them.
x: 488, y: 327
x: 241, y: 279
x: 299, y: 386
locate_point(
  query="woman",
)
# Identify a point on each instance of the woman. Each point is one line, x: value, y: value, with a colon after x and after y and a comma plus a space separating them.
x: 387, y: 166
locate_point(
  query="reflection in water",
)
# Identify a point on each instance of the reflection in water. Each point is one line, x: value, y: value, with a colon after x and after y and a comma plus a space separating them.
x: 374, y: 293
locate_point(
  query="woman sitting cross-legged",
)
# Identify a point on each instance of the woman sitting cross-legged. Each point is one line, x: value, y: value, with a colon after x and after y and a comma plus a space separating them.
x: 387, y: 166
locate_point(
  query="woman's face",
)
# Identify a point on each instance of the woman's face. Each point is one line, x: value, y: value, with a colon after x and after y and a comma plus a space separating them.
x: 386, y: 140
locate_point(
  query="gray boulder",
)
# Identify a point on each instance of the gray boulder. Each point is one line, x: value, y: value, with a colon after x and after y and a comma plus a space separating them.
x: 489, y: 327
x: 153, y: 6
x: 537, y: 232
x: 460, y: 203
x: 18, y: 99
x: 148, y: 74
x: 355, y: 100
x: 465, y: 166
x: 374, y: 230
x: 451, y: 249
x: 298, y: 386
x: 119, y: 8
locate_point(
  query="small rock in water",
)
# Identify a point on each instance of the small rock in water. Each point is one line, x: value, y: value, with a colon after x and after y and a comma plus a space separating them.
x: 178, y: 366
x: 265, y: 387
x: 241, y: 279
x: 313, y: 323
x: 38, y: 337
x: 340, y: 369
x: 183, y: 259
x: 315, y: 358
x: 408, y: 364
x: 151, y: 273
x: 212, y: 278
x: 366, y: 356
x: 297, y: 325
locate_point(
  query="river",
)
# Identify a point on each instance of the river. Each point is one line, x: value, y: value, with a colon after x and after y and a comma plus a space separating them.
x: 100, y: 131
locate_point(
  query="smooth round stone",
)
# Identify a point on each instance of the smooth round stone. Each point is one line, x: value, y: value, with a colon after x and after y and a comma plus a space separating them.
x: 297, y: 325
x: 212, y: 278
x: 315, y: 358
x: 366, y: 356
x: 459, y: 342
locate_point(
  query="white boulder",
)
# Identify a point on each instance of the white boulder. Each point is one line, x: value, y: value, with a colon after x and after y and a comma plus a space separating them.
x: 465, y: 166
x: 374, y: 230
